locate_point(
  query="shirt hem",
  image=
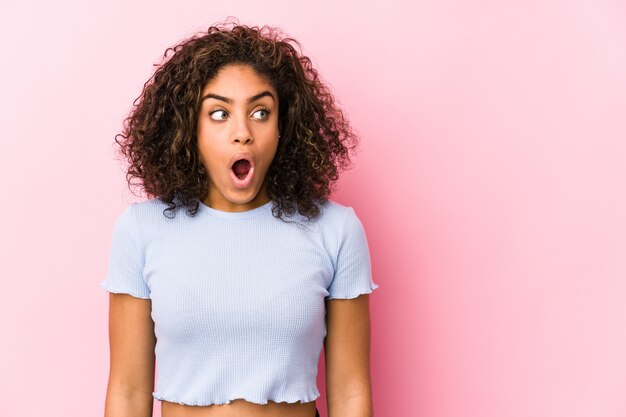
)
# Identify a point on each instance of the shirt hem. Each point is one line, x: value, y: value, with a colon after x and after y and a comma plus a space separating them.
x: 124, y: 291
x: 160, y: 397
x: 350, y: 295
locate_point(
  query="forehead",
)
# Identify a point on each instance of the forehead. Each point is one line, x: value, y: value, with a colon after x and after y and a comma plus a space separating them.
x: 237, y: 79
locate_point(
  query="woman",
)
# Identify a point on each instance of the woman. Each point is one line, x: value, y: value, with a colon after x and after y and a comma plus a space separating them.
x: 234, y: 298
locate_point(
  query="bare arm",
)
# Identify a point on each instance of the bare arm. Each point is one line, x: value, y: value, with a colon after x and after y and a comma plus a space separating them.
x: 347, y: 355
x: 132, y: 342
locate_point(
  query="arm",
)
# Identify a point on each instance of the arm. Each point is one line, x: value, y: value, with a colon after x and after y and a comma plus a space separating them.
x: 347, y: 351
x: 132, y: 342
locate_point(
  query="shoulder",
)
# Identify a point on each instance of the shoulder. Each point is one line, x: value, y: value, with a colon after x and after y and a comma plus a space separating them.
x: 339, y: 219
x: 149, y: 211
x: 147, y: 206
x: 138, y: 217
x: 332, y: 209
x: 336, y: 212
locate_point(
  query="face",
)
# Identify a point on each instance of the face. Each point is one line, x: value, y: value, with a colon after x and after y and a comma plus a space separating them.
x: 237, y: 137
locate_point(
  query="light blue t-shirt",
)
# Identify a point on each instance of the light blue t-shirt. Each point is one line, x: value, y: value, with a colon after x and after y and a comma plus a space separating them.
x: 238, y: 298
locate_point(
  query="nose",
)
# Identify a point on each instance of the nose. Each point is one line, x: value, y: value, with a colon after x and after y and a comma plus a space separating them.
x: 242, y: 133
x: 245, y: 141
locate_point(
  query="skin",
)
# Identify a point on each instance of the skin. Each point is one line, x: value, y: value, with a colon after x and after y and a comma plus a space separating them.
x: 224, y: 129
x: 227, y: 128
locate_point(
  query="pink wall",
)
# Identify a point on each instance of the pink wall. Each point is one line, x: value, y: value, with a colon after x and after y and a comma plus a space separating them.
x: 491, y: 183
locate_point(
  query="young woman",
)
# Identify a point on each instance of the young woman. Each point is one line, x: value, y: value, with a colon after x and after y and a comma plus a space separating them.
x: 234, y: 298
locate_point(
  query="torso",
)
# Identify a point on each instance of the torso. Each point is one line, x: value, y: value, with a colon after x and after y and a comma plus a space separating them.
x: 239, y: 408
x: 212, y: 307
x: 230, y: 325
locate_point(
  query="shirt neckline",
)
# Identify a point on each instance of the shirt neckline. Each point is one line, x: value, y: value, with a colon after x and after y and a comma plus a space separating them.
x: 235, y: 214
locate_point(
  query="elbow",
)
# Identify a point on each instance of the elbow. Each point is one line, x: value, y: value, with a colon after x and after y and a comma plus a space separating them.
x: 120, y: 403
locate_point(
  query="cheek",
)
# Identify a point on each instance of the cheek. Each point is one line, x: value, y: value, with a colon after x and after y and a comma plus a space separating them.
x: 207, y: 141
x: 203, y: 152
x: 274, y: 152
x: 210, y: 145
x: 268, y: 154
x: 209, y: 154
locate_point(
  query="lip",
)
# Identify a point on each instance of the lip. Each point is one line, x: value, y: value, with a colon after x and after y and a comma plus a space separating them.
x: 248, y: 180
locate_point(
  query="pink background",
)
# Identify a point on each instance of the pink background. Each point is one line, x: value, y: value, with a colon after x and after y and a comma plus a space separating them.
x: 491, y: 183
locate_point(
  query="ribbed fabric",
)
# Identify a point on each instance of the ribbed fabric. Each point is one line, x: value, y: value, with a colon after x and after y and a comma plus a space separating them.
x: 238, y: 298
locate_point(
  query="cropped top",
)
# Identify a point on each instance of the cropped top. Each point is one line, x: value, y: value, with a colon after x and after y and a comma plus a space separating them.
x: 237, y: 298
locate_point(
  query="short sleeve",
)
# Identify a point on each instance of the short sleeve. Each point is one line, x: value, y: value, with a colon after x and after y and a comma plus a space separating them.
x: 125, y: 264
x: 353, y: 271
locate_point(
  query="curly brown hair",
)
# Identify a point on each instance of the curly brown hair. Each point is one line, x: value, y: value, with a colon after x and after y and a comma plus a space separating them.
x: 159, y: 135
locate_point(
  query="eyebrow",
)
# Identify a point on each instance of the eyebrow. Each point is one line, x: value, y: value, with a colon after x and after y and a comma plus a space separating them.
x: 230, y: 100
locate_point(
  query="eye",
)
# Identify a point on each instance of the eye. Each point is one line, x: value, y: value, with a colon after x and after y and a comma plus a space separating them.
x: 216, y: 111
x: 266, y: 111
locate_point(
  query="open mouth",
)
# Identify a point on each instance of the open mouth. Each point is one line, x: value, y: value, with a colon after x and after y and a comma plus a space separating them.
x: 241, y: 168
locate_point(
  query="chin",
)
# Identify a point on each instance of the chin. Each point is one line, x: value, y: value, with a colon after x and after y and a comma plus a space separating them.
x: 243, y: 197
